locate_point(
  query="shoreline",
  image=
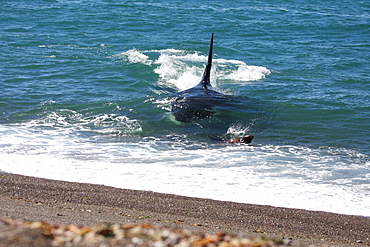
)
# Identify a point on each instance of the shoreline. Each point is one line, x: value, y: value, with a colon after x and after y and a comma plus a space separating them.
x: 60, y: 202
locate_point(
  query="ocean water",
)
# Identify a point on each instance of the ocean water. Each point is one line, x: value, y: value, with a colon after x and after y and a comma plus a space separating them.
x: 87, y: 86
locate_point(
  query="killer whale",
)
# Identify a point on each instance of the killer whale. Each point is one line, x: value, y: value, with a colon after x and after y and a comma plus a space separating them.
x: 198, y: 102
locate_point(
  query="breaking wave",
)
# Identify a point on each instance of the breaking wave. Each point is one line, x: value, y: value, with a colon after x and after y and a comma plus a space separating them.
x: 183, y: 69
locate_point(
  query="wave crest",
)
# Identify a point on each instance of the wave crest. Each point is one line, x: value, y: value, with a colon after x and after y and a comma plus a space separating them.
x: 183, y: 69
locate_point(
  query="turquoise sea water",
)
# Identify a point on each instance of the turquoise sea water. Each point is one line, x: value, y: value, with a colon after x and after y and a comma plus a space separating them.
x: 86, y: 90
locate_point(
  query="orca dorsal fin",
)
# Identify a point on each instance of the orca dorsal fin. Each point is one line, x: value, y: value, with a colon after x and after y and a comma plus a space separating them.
x: 207, y: 72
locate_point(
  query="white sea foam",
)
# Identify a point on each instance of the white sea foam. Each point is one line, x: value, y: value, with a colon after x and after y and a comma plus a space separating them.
x: 287, y: 176
x: 184, y: 69
x: 68, y: 121
x: 181, y: 71
x: 135, y: 56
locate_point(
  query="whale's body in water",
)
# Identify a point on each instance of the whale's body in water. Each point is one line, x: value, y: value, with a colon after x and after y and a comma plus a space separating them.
x: 198, y: 102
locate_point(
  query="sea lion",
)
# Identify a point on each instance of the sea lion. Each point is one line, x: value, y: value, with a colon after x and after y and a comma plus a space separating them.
x: 245, y: 139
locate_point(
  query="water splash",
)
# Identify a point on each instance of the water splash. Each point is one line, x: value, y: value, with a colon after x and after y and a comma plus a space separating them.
x: 183, y: 69
x: 69, y: 121
x: 280, y: 175
x: 135, y: 56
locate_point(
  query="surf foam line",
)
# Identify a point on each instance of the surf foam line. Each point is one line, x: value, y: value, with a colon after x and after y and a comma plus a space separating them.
x: 182, y: 68
x: 285, y: 176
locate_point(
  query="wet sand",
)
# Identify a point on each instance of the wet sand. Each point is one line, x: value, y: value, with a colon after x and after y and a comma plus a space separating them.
x: 59, y: 202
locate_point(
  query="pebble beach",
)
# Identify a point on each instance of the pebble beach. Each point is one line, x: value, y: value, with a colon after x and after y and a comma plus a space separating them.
x: 42, y: 212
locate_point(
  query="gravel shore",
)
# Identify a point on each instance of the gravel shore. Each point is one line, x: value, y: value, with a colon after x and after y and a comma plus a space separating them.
x: 86, y: 205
